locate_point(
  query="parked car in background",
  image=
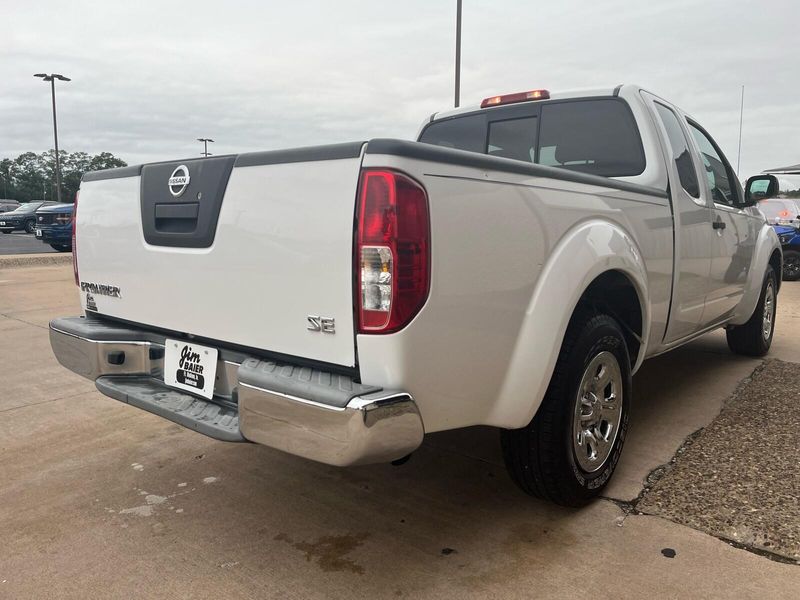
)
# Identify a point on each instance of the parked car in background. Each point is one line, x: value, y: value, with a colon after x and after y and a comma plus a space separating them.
x: 7, y: 205
x: 54, y: 226
x: 22, y: 218
x: 789, y: 236
x: 781, y: 211
x: 784, y: 216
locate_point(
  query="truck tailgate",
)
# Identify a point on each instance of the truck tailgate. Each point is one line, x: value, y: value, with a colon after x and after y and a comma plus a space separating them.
x: 280, y: 249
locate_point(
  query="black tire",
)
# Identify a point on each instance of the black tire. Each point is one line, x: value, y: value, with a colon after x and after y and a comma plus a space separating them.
x: 7, y: 230
x: 541, y: 457
x: 749, y: 339
x: 30, y: 226
x: 791, y: 265
x: 61, y: 248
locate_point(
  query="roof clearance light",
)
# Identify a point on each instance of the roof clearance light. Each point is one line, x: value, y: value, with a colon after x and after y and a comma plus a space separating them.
x: 518, y: 97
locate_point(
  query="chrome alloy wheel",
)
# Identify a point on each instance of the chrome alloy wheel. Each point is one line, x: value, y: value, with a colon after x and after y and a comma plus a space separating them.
x: 598, y: 412
x: 769, y: 311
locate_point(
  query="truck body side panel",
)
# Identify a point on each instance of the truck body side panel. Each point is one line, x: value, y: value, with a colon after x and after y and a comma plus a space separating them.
x: 493, y: 234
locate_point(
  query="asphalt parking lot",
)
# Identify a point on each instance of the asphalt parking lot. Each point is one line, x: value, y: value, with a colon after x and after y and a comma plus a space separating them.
x: 100, y: 499
x: 19, y: 242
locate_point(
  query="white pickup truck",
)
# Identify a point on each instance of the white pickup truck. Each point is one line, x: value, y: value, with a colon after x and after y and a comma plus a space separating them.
x: 512, y: 268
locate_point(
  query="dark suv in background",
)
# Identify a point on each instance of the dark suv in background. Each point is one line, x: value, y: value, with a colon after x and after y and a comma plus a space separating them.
x: 8, y: 205
x: 22, y: 218
x: 54, y: 226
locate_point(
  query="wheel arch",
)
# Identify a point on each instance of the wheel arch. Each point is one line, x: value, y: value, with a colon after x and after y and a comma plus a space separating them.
x: 768, y: 252
x: 614, y: 293
x: 597, y: 264
x: 776, y: 260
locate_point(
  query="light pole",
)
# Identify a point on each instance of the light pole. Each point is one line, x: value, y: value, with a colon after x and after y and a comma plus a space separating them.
x: 205, y: 141
x: 52, y: 79
x: 458, y: 52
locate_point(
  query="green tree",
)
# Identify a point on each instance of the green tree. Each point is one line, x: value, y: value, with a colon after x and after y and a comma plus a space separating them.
x: 31, y: 176
x: 6, y: 170
x: 72, y: 169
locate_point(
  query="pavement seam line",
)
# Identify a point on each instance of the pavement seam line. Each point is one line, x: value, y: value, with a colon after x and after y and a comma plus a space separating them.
x: 5, y: 410
x: 629, y: 507
x: 7, y: 316
x: 35, y: 282
x: 773, y: 556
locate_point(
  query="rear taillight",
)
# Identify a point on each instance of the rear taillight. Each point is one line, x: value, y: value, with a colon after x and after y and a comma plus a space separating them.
x: 74, y: 240
x: 392, y: 251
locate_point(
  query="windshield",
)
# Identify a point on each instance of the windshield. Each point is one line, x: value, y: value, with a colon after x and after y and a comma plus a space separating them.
x: 27, y: 208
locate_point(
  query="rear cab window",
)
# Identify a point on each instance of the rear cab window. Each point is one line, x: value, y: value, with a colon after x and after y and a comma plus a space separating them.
x: 513, y: 138
x: 462, y: 133
x: 596, y: 135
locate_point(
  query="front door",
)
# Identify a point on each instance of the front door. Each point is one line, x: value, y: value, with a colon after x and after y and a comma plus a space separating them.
x: 734, y: 231
x: 693, y: 234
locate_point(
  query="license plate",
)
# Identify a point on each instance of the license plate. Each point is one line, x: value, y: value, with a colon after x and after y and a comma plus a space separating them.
x: 38, y: 233
x: 190, y: 367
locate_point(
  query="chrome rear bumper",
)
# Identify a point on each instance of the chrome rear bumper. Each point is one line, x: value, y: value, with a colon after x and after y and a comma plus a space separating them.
x: 316, y: 415
x: 380, y: 427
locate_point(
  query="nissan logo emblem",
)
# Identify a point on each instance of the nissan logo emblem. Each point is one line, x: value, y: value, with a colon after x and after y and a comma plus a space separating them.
x: 178, y: 181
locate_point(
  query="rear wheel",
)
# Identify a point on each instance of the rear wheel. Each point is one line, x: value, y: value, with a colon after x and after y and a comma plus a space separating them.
x: 6, y: 230
x: 755, y: 337
x: 30, y: 226
x: 791, y: 265
x: 570, y: 449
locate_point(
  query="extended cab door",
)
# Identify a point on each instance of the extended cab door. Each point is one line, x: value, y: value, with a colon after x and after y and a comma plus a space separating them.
x: 734, y: 231
x: 692, y: 222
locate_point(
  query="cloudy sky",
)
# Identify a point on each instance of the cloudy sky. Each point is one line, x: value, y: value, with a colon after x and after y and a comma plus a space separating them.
x: 150, y: 77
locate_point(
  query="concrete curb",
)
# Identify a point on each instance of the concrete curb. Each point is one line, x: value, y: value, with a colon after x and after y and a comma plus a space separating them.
x: 13, y: 261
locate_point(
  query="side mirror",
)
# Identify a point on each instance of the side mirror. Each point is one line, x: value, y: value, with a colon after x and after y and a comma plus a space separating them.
x: 760, y: 187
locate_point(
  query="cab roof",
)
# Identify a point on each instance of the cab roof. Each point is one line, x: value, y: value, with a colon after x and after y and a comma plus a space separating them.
x: 553, y: 96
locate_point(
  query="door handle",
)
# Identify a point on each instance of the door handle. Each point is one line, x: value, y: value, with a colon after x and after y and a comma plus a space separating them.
x: 718, y: 224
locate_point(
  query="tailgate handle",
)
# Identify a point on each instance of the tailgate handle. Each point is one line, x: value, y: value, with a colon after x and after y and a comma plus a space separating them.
x: 177, y: 218
x: 177, y: 211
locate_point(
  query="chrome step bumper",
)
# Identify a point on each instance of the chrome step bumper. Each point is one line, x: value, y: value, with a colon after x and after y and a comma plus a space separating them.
x: 310, y: 413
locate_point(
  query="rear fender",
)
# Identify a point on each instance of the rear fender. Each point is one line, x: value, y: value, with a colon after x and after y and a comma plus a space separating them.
x: 587, y: 251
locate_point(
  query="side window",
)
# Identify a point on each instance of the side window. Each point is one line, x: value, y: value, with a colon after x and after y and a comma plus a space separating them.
x: 513, y: 138
x: 718, y: 171
x: 680, y: 150
x: 462, y: 133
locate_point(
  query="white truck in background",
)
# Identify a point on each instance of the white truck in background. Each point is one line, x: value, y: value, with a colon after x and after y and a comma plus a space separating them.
x: 512, y: 268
